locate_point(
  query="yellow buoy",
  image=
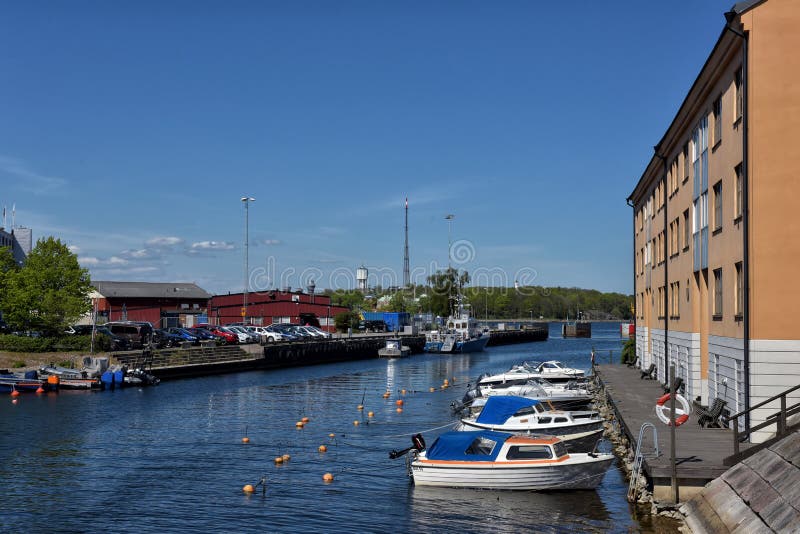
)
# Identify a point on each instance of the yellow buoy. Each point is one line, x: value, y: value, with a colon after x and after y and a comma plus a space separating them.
x: 322, y: 448
x: 327, y: 477
x: 446, y: 382
x: 299, y: 424
x: 402, y: 392
x: 360, y: 406
x: 305, y: 419
x: 279, y: 459
x: 248, y: 488
x: 399, y: 410
x: 370, y: 414
x: 286, y: 457
x: 355, y: 423
x: 432, y: 390
x: 245, y: 440
x: 399, y: 402
x: 331, y: 435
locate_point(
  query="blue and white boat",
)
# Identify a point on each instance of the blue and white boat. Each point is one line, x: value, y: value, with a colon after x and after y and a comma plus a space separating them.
x: 460, y: 334
x: 496, y: 460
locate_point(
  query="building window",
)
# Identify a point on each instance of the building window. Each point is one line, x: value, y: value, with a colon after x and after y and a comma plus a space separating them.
x: 687, y: 230
x: 738, y: 88
x: 717, y: 111
x: 718, y: 206
x: 739, y: 291
x: 675, y: 300
x: 738, y: 200
x: 686, y: 162
x: 717, y: 293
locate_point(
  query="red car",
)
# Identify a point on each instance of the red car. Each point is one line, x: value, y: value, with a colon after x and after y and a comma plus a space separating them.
x: 229, y: 339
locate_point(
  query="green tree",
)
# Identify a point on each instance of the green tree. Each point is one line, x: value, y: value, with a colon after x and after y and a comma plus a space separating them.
x: 346, y: 320
x: 49, y: 292
x: 445, y: 285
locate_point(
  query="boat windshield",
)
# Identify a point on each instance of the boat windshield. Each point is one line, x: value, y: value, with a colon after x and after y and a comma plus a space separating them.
x: 529, y: 452
x: 481, y: 446
x: 560, y: 449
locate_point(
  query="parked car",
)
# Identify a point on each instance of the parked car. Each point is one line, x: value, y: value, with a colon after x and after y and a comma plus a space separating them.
x: 321, y: 333
x: 280, y: 334
x: 164, y: 338
x: 137, y: 333
x: 229, y: 337
x: 115, y: 342
x: 204, y: 334
x: 372, y: 326
x: 184, y: 334
x: 250, y: 337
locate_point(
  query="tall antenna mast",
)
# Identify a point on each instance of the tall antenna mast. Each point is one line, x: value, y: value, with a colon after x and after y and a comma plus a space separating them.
x: 406, y: 267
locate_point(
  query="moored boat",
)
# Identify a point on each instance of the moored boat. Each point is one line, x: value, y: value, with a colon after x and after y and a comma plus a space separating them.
x: 497, y: 460
x: 580, y: 430
x: 460, y: 334
x: 14, y: 382
x: 552, y: 370
x: 394, y: 348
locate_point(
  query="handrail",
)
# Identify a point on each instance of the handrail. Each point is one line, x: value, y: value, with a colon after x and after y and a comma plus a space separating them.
x: 760, y: 404
x: 778, y: 419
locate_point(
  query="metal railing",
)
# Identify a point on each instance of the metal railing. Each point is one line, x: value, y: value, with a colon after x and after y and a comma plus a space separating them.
x: 778, y: 419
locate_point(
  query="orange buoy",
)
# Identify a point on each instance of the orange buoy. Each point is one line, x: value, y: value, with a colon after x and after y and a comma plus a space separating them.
x: 40, y: 389
x: 15, y: 393
x: 245, y: 440
x: 360, y: 406
x: 399, y: 402
x: 305, y: 419
x: 248, y: 488
x: 399, y: 410
x: 279, y: 459
x: 286, y: 457
x: 331, y: 435
x: 299, y: 424
x: 371, y: 414
x: 402, y: 392
x: 355, y: 423
x: 327, y: 477
x: 387, y: 395
x: 446, y: 382
x: 322, y: 448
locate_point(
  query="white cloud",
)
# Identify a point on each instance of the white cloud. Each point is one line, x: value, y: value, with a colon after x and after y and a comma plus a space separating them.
x: 75, y: 249
x: 140, y: 254
x: 212, y: 245
x: 27, y: 179
x: 162, y: 241
x: 116, y: 260
x: 88, y: 261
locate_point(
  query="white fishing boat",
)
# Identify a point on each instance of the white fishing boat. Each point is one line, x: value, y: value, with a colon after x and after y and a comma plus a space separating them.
x: 553, y: 371
x: 394, y: 348
x: 580, y: 430
x: 459, y: 334
x: 496, y: 460
x: 567, y: 396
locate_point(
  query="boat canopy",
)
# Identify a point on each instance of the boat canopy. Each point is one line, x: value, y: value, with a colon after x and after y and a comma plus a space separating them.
x: 499, y: 408
x: 479, y: 445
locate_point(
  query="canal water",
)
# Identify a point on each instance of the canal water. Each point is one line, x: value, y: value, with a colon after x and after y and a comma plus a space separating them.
x: 171, y: 458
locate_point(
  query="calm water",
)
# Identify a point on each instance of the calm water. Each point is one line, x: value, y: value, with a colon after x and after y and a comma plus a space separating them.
x: 170, y: 458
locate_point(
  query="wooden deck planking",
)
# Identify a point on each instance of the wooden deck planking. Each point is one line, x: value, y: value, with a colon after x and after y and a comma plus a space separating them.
x: 699, y: 451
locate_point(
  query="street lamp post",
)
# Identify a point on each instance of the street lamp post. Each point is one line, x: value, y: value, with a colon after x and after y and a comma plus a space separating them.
x: 449, y: 218
x: 246, y: 201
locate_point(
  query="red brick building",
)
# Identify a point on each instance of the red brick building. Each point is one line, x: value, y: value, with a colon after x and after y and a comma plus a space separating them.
x: 162, y: 304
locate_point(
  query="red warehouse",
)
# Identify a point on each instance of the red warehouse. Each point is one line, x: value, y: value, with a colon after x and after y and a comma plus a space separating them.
x: 267, y: 307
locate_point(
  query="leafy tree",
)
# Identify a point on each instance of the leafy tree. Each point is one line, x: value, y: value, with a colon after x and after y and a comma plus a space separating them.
x: 345, y: 320
x: 398, y: 302
x: 49, y: 292
x: 445, y: 285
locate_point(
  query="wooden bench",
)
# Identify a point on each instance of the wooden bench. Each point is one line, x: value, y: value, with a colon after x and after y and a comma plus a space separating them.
x: 708, y: 417
x: 648, y: 374
x: 632, y: 363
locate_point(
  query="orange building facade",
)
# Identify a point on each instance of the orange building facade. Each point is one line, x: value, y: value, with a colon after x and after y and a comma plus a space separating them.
x: 716, y: 225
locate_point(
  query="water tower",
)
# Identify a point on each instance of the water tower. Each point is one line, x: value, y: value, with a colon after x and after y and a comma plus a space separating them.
x: 361, y: 278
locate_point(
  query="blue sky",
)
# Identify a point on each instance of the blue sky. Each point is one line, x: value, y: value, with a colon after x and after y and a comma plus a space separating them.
x: 130, y: 130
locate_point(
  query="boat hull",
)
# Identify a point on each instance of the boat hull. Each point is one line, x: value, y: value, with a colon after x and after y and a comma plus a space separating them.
x: 471, y: 345
x: 561, y: 475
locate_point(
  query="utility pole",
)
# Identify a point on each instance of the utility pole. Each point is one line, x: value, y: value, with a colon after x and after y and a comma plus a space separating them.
x: 406, y: 264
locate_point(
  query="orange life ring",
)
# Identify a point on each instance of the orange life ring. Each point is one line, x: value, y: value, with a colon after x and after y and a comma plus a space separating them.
x: 681, y: 413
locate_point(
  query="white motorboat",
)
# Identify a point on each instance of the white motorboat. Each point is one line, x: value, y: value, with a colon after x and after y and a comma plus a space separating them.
x: 496, y: 460
x: 580, y: 430
x: 563, y: 396
x: 394, y: 348
x: 553, y: 371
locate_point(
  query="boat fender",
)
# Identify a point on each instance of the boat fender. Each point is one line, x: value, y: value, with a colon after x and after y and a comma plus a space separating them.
x: 682, y: 412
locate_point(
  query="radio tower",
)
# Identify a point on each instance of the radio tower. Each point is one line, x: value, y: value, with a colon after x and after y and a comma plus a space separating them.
x: 406, y: 268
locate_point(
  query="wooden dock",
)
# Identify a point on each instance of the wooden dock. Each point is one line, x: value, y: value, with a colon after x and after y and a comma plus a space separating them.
x: 699, y: 451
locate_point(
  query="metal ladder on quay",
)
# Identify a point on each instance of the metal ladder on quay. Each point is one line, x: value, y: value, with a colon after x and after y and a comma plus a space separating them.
x: 638, y: 460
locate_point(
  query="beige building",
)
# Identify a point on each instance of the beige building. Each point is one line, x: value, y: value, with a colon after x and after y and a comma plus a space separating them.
x: 717, y: 221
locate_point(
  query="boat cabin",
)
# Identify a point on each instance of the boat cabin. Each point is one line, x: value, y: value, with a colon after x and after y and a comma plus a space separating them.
x: 489, y: 446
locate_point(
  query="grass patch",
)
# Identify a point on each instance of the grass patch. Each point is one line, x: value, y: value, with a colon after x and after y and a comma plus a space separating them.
x: 18, y: 364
